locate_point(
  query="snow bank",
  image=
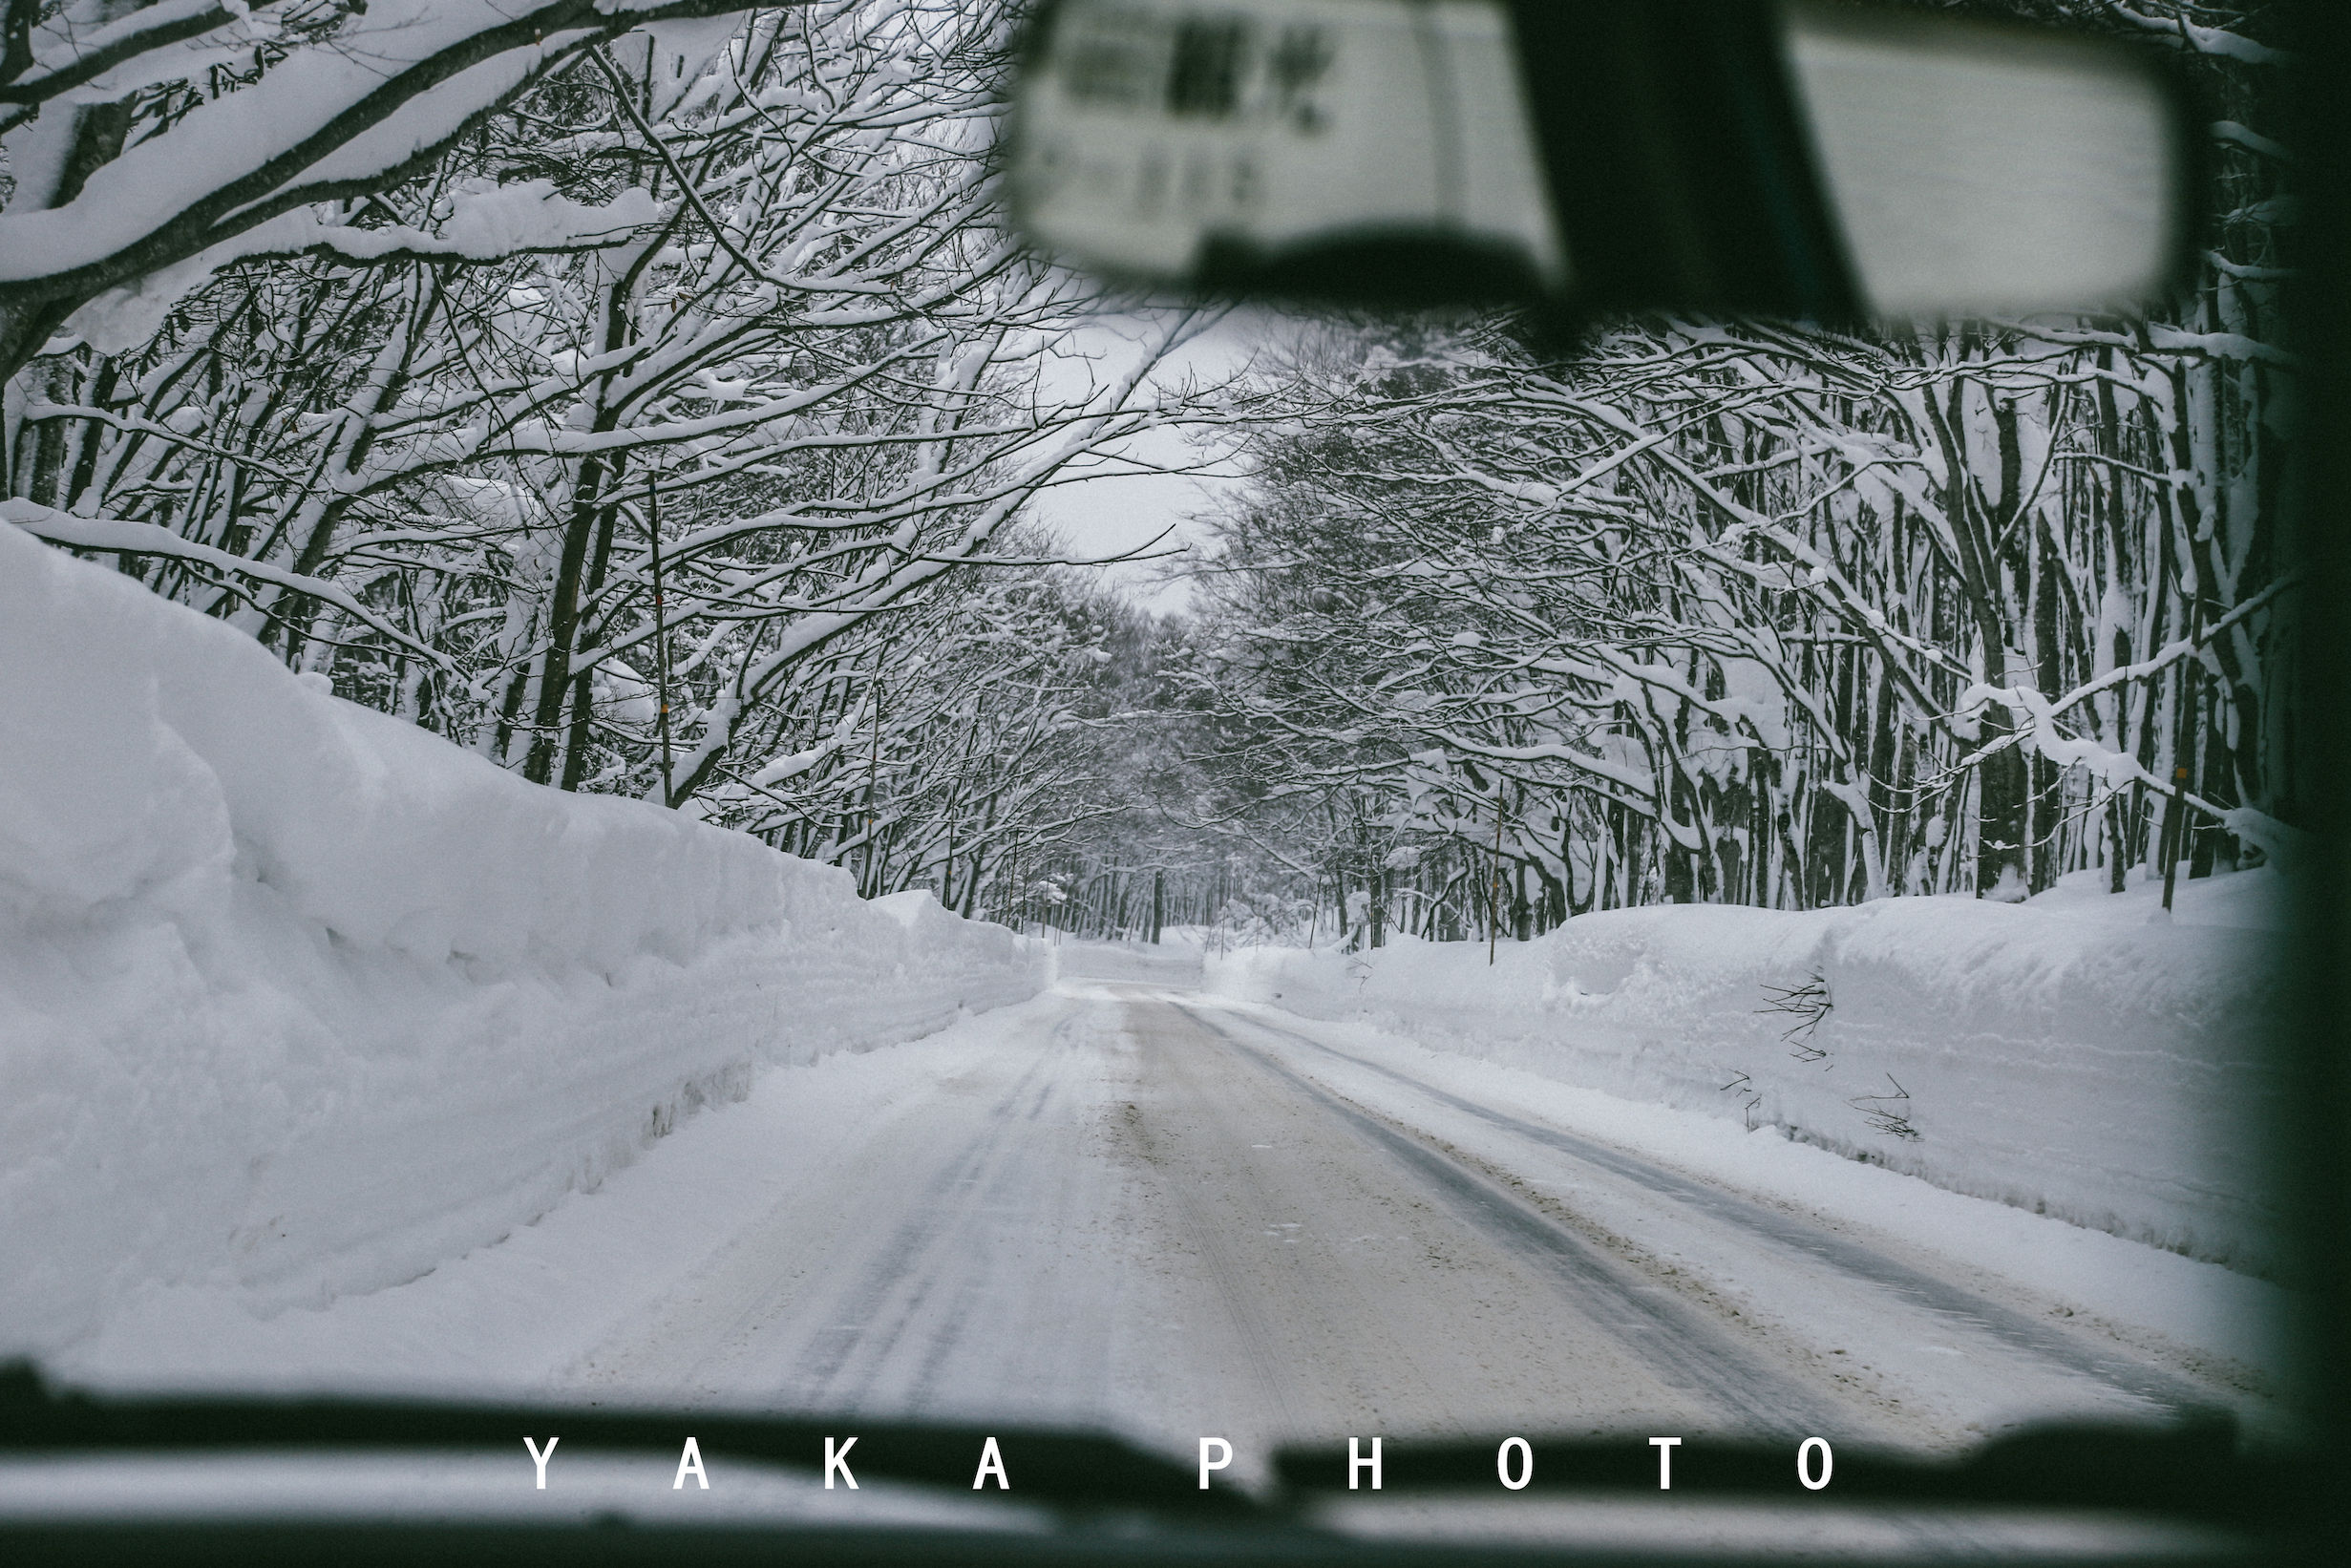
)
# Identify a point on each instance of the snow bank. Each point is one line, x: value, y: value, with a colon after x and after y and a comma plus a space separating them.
x: 299, y: 998
x: 2068, y: 1056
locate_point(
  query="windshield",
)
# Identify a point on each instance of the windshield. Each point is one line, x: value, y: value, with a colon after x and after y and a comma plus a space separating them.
x: 643, y: 764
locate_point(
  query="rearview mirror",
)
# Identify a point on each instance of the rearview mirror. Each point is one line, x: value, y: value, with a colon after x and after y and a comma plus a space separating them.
x: 1803, y: 158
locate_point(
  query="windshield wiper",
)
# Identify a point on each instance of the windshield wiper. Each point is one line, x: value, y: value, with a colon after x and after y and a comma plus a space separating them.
x: 2192, y: 1471
x: 1070, y: 1471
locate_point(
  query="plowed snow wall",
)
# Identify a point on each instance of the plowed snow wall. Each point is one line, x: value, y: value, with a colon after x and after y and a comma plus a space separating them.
x: 296, y: 995
x: 2108, y: 1072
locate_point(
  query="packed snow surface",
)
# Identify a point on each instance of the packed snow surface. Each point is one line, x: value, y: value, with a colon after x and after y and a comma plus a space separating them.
x: 302, y: 1000
x: 2081, y: 1055
x: 1126, y: 1203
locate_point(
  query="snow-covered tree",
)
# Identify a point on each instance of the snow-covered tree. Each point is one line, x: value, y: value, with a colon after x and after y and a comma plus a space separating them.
x: 1766, y: 614
x: 148, y: 142
x: 796, y: 375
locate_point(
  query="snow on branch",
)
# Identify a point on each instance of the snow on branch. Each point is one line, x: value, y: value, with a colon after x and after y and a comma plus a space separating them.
x: 366, y: 98
x: 2117, y: 768
x: 487, y: 223
x: 120, y: 537
x: 2200, y: 39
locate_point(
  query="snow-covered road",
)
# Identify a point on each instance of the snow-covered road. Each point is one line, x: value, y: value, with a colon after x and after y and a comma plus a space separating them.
x: 1183, y: 1219
x: 1129, y: 1203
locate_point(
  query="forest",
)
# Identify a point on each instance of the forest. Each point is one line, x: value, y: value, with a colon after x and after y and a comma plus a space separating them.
x: 662, y: 410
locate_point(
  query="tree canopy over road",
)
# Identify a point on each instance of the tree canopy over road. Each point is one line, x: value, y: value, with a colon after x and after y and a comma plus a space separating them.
x: 652, y: 397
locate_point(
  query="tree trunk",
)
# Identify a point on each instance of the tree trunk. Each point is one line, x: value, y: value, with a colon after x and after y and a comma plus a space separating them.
x: 2003, y: 787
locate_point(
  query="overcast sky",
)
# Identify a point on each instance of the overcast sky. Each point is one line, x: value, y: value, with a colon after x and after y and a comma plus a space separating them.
x: 1118, y: 508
